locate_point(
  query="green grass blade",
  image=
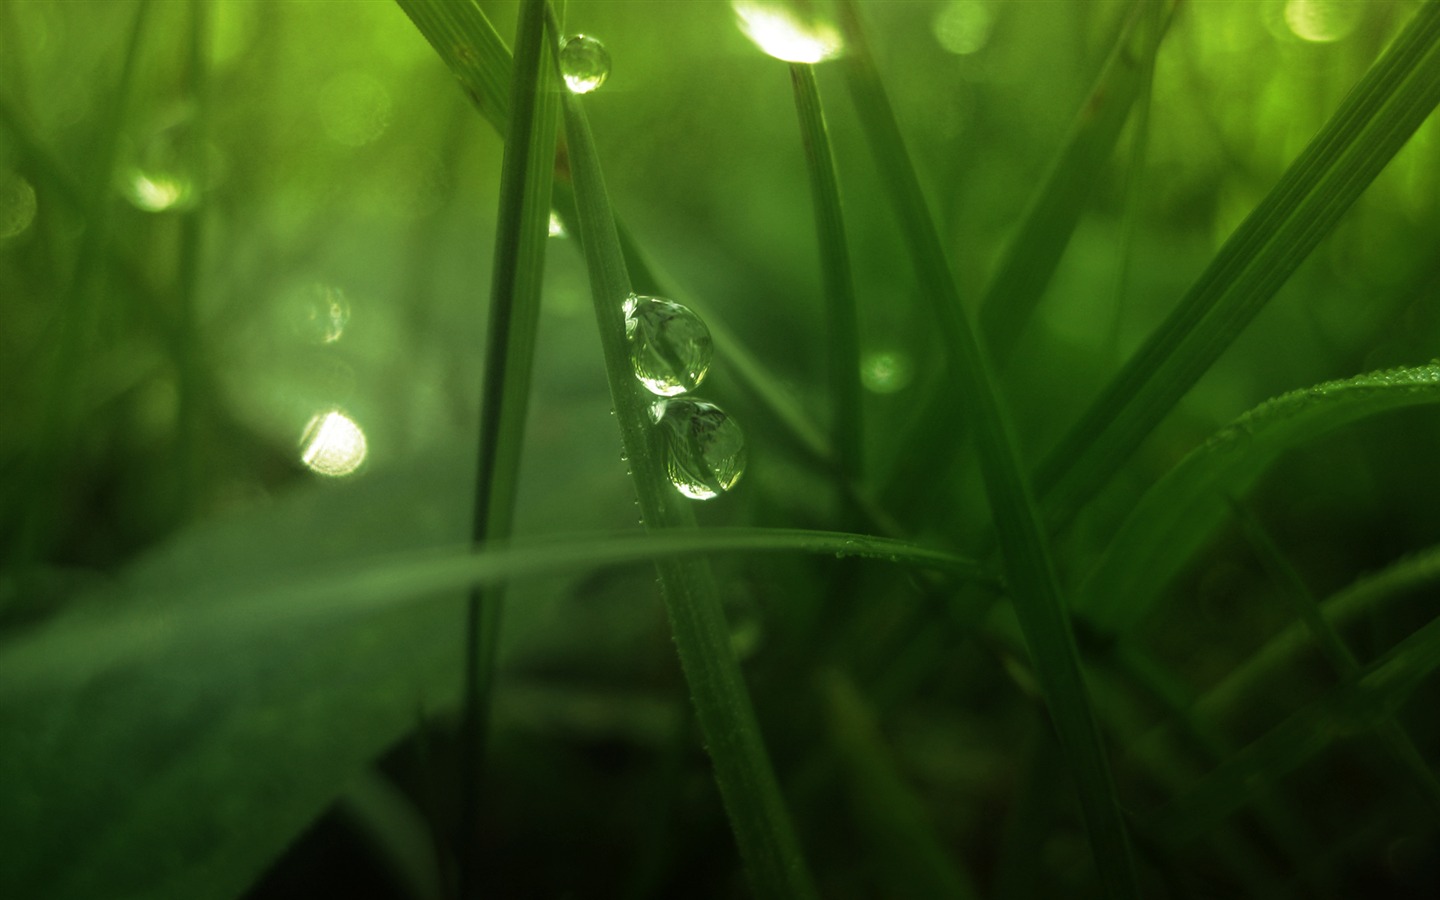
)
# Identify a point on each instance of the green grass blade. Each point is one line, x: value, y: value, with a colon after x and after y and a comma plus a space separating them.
x: 768, y: 846
x: 1033, y: 585
x: 139, y: 618
x: 835, y: 278
x: 894, y: 821
x: 1181, y: 511
x: 472, y: 49
x: 1032, y: 255
x: 189, y: 379
x: 514, y: 319
x: 1361, y: 704
x: 1373, y: 123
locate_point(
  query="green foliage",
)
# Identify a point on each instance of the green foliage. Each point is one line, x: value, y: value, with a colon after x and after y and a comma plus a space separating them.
x: 271, y: 288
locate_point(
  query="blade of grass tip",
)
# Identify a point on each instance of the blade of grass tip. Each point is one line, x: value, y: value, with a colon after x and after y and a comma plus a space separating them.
x: 472, y: 49
x: 38, y: 506
x: 835, y: 276
x: 1374, y: 122
x: 767, y: 842
x: 1033, y: 253
x: 1391, y: 733
x: 1029, y: 570
x: 192, y: 241
x: 521, y: 232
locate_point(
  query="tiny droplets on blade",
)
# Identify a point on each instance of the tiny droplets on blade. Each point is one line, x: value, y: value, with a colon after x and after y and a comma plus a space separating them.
x: 704, y: 447
x: 584, y: 63
x: 670, y: 346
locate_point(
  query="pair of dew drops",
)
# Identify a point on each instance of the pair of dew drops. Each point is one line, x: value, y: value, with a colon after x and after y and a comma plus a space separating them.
x: 669, y: 348
x: 670, y: 351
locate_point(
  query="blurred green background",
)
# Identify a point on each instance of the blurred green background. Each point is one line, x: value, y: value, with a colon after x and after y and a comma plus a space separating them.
x: 199, y: 273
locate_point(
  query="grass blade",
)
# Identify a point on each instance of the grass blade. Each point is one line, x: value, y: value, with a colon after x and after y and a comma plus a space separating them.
x: 1180, y: 512
x: 1031, y: 256
x: 835, y: 278
x: 1375, y: 121
x: 514, y: 319
x: 1033, y: 585
x: 768, y: 846
x: 472, y: 49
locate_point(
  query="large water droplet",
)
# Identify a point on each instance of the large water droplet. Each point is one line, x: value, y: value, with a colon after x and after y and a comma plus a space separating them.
x: 704, y: 448
x: 784, y: 31
x: 17, y: 204
x: 333, y: 444
x: 670, y: 346
x: 584, y: 62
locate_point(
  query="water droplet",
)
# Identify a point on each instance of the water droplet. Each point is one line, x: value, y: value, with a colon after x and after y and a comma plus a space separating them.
x: 158, y: 175
x: 783, y: 31
x: 670, y: 346
x: 584, y: 62
x: 17, y: 204
x: 1323, y: 21
x: 557, y: 228
x: 963, y: 26
x: 333, y: 444
x: 886, y: 372
x: 704, y: 447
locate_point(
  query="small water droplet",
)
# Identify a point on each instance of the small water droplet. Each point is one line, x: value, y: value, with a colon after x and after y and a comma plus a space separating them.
x: 704, y: 447
x: 17, y: 204
x: 317, y: 312
x: 354, y: 108
x: 783, y: 30
x: 670, y: 346
x: 158, y: 174
x: 963, y: 26
x: 584, y: 62
x: 557, y: 228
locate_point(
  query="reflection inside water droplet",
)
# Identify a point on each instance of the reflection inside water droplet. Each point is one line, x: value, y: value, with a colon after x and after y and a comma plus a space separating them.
x: 584, y: 62
x: 670, y: 347
x: 17, y: 204
x: 782, y: 31
x: 704, y: 447
x: 333, y: 445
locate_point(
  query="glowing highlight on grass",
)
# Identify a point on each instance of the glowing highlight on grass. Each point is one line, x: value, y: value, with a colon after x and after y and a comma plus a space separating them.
x: 778, y: 30
x: 334, y: 445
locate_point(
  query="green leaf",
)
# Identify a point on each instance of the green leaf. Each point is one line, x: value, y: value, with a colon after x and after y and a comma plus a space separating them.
x: 1181, y: 511
x: 1377, y: 118
x: 472, y: 49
